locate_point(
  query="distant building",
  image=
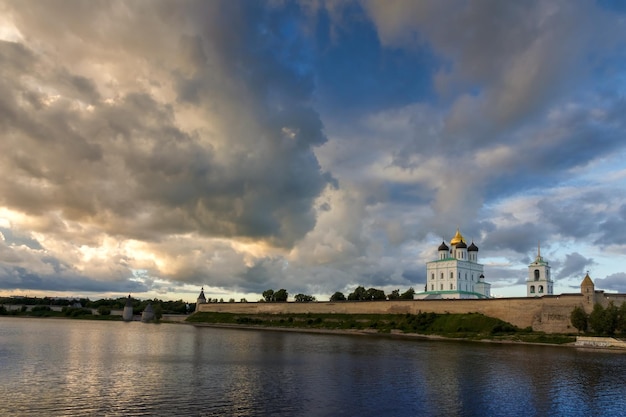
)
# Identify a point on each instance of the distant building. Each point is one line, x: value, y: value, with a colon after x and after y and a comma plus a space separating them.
x: 127, y: 314
x: 539, y: 282
x: 201, y: 299
x: 456, y: 272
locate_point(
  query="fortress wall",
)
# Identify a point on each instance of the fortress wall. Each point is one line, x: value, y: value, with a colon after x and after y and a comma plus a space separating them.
x: 550, y: 314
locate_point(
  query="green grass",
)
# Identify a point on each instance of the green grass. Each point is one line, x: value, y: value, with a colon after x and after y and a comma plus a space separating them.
x: 473, y: 326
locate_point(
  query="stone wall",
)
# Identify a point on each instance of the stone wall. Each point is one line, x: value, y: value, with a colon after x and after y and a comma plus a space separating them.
x: 549, y: 313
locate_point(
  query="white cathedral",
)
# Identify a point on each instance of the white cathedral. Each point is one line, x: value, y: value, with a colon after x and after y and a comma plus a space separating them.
x: 456, y: 273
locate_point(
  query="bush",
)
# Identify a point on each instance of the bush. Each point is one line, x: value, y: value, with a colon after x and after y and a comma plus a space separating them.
x: 104, y: 311
x: 76, y: 312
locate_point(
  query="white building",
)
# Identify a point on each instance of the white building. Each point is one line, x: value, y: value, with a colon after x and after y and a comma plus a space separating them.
x: 456, y: 272
x: 539, y: 281
x: 200, y: 300
x: 127, y: 314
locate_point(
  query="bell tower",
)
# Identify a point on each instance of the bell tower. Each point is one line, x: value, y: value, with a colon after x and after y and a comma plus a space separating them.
x: 539, y: 282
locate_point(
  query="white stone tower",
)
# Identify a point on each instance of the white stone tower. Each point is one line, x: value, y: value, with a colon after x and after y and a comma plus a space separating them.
x: 200, y: 300
x: 127, y: 314
x: 539, y: 282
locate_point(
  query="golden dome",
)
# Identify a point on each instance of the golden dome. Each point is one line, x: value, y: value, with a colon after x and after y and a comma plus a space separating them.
x: 457, y: 238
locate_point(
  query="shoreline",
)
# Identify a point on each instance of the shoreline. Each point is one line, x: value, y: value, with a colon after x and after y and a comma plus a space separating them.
x: 375, y: 333
x: 404, y: 336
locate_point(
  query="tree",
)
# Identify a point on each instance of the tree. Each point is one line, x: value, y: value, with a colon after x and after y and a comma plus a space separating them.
x: 338, y: 296
x: 268, y: 295
x: 375, y: 294
x: 303, y: 298
x: 281, y: 295
x: 395, y: 294
x: 621, y: 318
x: 358, y: 294
x: 408, y: 294
x: 579, y: 319
x: 604, y: 320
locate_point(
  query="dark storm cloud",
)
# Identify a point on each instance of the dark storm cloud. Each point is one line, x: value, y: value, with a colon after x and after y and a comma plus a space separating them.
x: 130, y: 168
x: 578, y: 215
x: 574, y: 266
x: 12, y: 278
x: 613, y: 229
x: 522, y: 238
x: 303, y: 145
x: 613, y: 282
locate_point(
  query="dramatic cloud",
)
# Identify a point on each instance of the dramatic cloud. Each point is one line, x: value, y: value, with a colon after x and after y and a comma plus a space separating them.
x: 154, y: 147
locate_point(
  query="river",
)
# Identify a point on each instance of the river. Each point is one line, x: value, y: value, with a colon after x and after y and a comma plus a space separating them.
x: 58, y: 367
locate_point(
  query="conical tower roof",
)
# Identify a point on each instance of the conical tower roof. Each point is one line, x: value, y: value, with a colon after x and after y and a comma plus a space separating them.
x: 201, y: 297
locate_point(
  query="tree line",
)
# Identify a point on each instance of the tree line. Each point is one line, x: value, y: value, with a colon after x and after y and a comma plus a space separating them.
x: 359, y: 294
x: 167, y: 307
x: 603, y: 321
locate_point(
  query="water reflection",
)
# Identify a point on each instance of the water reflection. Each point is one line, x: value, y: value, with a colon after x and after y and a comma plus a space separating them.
x: 109, y: 368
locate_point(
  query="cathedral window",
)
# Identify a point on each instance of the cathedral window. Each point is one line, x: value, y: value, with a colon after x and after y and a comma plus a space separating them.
x: 536, y: 275
x: 432, y: 276
x: 451, y: 286
x: 432, y: 287
x: 451, y: 275
x: 532, y: 289
x: 541, y: 289
x: 442, y: 275
x: 441, y: 287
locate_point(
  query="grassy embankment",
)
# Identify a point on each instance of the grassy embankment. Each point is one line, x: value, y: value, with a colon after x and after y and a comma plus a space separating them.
x: 471, y: 326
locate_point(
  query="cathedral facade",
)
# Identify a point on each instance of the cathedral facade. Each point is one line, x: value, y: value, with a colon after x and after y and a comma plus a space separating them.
x: 456, y: 272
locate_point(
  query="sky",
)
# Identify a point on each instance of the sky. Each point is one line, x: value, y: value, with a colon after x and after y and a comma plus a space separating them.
x: 157, y: 147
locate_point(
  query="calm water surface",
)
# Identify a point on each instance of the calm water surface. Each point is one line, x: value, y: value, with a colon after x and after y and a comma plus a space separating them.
x: 84, y: 368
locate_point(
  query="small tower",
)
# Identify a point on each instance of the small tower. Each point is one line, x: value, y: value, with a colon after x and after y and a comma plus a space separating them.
x: 587, y: 289
x: 127, y: 314
x: 201, y: 299
x: 539, y: 282
x: 483, y: 287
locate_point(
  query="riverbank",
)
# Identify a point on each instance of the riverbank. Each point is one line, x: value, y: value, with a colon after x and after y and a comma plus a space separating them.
x: 470, y: 326
x: 586, y: 342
